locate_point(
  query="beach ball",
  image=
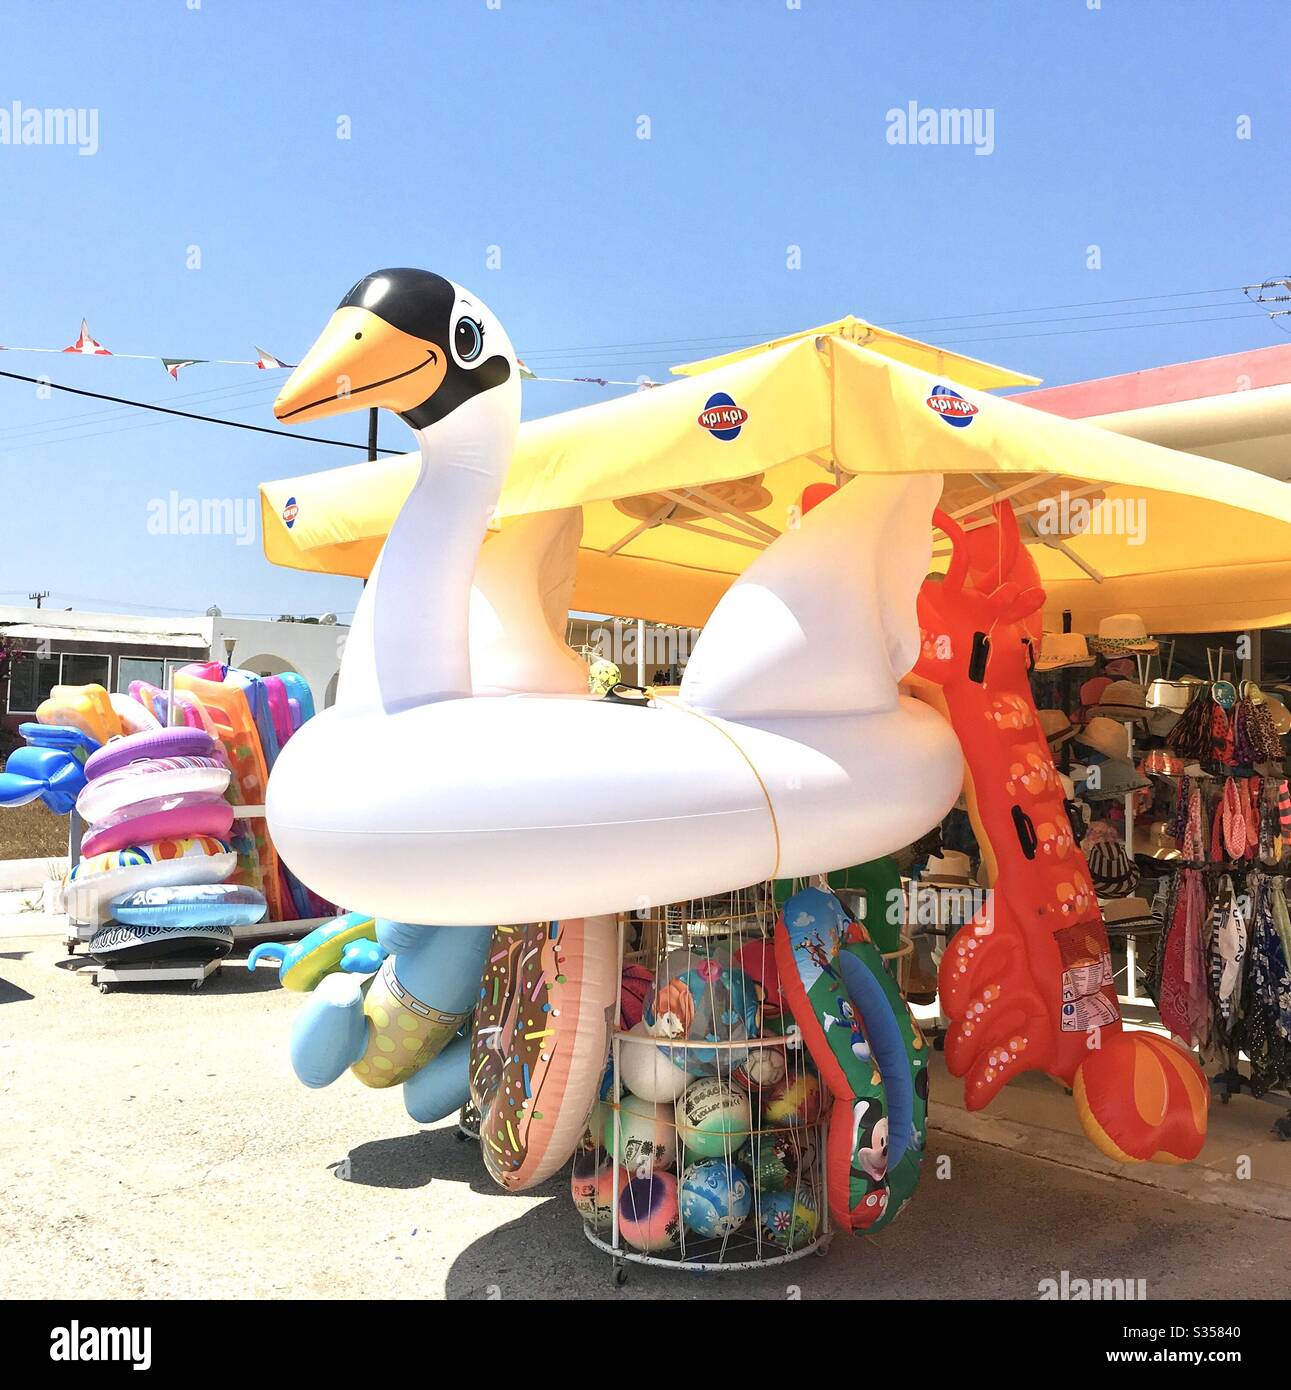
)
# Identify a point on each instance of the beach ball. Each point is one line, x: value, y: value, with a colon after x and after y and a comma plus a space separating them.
x: 798, y: 1099
x: 647, y: 1134
x: 790, y: 1219
x: 649, y: 1072
x: 591, y: 1183
x: 634, y: 990
x: 777, y: 1160
x: 716, y: 1197
x: 648, y: 1217
x: 763, y: 1067
x: 703, y: 997
x: 713, y: 1117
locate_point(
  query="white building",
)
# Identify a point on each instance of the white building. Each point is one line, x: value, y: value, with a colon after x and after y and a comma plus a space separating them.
x: 65, y: 647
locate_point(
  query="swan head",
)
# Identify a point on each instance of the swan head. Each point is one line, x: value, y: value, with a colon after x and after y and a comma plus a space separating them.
x: 408, y: 340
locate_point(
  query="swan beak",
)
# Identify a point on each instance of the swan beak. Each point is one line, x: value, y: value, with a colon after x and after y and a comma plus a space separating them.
x: 361, y: 361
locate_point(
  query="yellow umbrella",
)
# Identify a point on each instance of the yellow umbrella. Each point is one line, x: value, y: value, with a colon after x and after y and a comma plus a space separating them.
x: 682, y: 486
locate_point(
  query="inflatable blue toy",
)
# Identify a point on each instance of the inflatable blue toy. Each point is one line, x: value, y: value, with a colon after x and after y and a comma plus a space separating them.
x: 50, y: 767
x: 197, y: 905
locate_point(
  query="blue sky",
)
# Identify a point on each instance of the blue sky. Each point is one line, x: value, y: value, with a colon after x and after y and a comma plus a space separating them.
x: 517, y: 127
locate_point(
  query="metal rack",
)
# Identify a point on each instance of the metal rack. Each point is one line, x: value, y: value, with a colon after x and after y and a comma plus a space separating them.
x: 733, y: 919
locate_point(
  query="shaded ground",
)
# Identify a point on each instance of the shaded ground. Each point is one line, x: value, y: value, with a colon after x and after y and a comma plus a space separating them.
x: 154, y: 1143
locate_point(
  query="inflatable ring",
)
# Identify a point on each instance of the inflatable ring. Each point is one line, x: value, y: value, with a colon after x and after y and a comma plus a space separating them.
x: 869, y: 1051
x: 159, y: 743
x: 195, y: 905
x: 158, y: 865
x: 117, y: 944
x: 539, y: 1043
x: 163, y: 818
x: 325, y: 950
x: 146, y: 781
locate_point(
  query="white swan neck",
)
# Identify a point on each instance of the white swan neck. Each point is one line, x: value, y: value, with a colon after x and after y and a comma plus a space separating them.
x: 409, y: 643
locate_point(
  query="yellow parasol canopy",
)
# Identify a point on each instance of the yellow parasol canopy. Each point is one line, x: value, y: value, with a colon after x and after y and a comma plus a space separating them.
x: 682, y: 486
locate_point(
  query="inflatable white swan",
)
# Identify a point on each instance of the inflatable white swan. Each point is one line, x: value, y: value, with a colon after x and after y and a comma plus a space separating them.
x: 788, y: 751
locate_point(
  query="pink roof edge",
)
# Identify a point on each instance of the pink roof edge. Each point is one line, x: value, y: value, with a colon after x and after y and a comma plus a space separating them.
x: 1181, y: 381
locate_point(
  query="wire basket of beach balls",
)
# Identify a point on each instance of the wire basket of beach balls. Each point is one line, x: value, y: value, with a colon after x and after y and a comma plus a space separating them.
x: 707, y: 1147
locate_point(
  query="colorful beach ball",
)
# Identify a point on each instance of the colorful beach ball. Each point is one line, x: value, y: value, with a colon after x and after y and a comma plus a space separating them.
x: 649, y: 1072
x: 795, y: 1100
x: 713, y: 1118
x: 790, y: 1219
x: 591, y: 1183
x: 716, y: 1197
x: 648, y: 1217
x: 647, y: 1134
x: 776, y: 1160
x: 761, y: 1069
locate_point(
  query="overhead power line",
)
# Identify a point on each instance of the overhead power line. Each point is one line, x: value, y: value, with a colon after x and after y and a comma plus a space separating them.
x: 189, y: 414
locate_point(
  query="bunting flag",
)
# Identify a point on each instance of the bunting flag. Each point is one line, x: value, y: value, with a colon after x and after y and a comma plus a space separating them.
x: 86, y: 345
x: 266, y: 360
x: 174, y: 364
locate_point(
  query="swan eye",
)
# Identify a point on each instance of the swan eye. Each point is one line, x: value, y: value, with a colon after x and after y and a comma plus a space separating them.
x: 468, y: 339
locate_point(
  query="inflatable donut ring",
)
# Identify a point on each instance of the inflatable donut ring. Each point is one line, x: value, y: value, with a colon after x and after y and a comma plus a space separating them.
x: 156, y: 743
x: 334, y: 946
x: 539, y: 1043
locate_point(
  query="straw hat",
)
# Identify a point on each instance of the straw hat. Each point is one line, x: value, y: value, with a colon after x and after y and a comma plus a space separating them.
x: 1104, y: 736
x: 1123, y: 632
x: 1154, y: 841
x: 1126, y: 915
x: 1123, y: 700
x: 1121, y: 668
x: 1062, y: 649
x: 1056, y: 726
x: 951, y: 868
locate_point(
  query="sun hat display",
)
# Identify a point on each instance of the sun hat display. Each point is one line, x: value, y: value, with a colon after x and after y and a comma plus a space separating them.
x: 1171, y: 695
x: 1122, y: 700
x: 1114, y: 873
x: 1092, y: 690
x: 1152, y: 839
x: 951, y: 868
x: 1126, y: 915
x: 1055, y: 726
x: 1115, y: 778
x: 1160, y: 721
x: 1104, y: 736
x: 1161, y: 762
x: 1123, y: 632
x: 1058, y: 649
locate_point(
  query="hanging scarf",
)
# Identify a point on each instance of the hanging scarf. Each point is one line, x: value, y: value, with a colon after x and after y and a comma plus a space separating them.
x: 1226, y: 948
x: 1267, y: 1005
x: 1191, y: 736
x: 1233, y: 817
x: 1183, y: 997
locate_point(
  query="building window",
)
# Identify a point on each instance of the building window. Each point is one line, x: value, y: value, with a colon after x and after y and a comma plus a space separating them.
x: 85, y: 668
x: 140, y: 668
x: 33, y: 677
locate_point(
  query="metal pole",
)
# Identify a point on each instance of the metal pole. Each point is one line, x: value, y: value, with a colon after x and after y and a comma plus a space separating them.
x: 372, y: 435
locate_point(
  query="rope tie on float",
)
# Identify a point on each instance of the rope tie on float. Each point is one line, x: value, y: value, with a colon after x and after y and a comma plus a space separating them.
x: 725, y: 733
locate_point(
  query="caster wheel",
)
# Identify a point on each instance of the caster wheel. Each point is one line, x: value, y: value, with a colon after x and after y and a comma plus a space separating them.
x: 939, y: 1043
x: 195, y: 986
x: 620, y: 1276
x: 103, y: 989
